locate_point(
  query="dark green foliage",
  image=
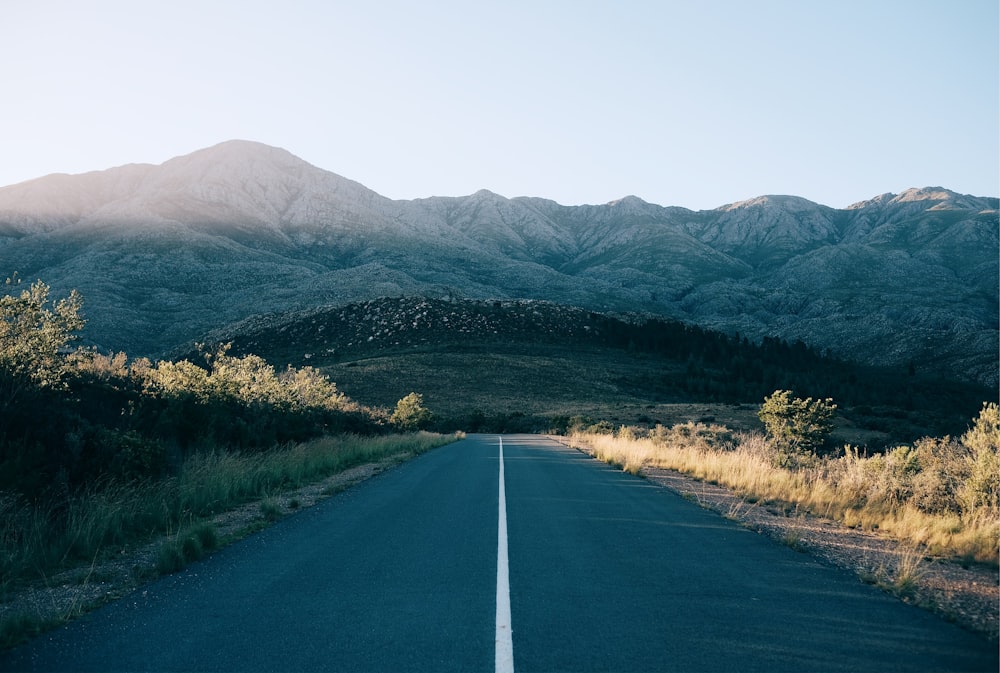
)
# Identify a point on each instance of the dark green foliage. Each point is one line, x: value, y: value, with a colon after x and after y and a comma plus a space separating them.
x: 498, y: 422
x: 84, y: 418
x: 715, y: 367
x: 125, y: 455
x: 33, y: 373
x: 189, y: 545
x: 654, y: 359
x: 171, y: 558
x: 797, y: 424
x: 270, y: 510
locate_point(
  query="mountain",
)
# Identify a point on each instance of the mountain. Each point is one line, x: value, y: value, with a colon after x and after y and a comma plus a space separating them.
x: 163, y: 254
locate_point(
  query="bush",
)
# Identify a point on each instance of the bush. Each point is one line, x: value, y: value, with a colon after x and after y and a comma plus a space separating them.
x: 410, y: 413
x: 32, y: 337
x: 980, y: 493
x: 697, y: 435
x: 800, y: 425
x: 943, y: 468
x: 890, y: 476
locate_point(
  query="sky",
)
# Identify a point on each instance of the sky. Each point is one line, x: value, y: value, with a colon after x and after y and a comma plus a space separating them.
x: 694, y: 103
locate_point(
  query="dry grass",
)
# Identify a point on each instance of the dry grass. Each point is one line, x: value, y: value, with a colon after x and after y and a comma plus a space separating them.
x: 844, y: 489
x: 40, y: 539
x: 170, y: 520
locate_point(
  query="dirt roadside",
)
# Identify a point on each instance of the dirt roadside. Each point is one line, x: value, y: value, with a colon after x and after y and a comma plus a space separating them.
x: 969, y: 596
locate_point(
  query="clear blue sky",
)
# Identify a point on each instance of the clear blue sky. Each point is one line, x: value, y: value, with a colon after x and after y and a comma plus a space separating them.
x: 695, y: 103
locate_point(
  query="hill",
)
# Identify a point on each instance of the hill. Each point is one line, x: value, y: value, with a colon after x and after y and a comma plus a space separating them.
x: 531, y: 365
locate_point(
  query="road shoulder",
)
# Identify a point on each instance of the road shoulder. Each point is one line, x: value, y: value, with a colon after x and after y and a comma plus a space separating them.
x: 968, y: 596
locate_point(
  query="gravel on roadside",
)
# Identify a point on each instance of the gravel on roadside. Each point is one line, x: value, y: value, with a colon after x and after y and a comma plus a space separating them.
x: 968, y: 596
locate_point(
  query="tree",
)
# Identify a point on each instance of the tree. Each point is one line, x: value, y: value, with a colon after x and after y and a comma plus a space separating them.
x: 410, y: 413
x: 801, y: 425
x: 308, y: 388
x: 981, y: 490
x: 33, y: 339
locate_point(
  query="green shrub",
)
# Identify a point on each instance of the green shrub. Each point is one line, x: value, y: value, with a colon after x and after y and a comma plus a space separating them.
x: 130, y: 456
x: 207, y: 535
x: 980, y: 493
x: 270, y: 509
x: 410, y: 413
x: 170, y: 558
x: 600, y: 428
x: 189, y: 545
x: 32, y: 338
x: 191, y: 548
x: 801, y: 425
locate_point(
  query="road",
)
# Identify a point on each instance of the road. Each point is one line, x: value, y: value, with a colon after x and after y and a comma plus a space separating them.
x: 606, y: 572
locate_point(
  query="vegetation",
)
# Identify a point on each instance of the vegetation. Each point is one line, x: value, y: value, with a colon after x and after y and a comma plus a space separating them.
x: 937, y: 492
x: 545, y: 363
x: 410, y: 413
x: 41, y: 538
x: 71, y: 420
x: 98, y: 452
x: 32, y: 338
x: 799, y: 428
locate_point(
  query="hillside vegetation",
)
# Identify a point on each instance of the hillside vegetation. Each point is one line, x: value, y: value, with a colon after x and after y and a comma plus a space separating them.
x: 97, y: 451
x: 531, y: 365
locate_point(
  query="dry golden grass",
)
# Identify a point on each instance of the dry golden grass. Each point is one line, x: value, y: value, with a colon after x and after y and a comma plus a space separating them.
x: 742, y: 463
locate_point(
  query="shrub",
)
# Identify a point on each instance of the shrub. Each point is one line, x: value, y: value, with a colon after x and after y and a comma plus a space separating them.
x: 189, y: 545
x: 601, y: 428
x: 32, y: 336
x: 801, y: 425
x: 410, y: 413
x: 270, y: 509
x: 942, y: 469
x: 170, y: 558
x: 242, y: 402
x: 307, y: 388
x: 890, y: 476
x: 127, y: 455
x: 981, y: 490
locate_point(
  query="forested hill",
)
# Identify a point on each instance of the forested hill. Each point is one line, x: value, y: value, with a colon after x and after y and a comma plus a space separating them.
x: 674, y: 361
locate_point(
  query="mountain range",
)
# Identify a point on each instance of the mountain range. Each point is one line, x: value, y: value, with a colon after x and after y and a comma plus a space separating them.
x: 164, y: 254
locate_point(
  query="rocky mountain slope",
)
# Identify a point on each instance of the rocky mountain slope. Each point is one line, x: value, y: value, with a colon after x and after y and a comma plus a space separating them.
x: 164, y: 253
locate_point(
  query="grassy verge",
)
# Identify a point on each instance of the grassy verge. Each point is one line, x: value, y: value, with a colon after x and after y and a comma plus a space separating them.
x: 41, y: 540
x: 855, y: 490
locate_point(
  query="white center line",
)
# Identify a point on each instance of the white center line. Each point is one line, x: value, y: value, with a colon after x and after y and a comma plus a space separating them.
x: 504, y: 641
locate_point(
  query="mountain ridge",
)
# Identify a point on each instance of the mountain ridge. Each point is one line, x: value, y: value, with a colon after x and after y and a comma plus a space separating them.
x: 165, y: 253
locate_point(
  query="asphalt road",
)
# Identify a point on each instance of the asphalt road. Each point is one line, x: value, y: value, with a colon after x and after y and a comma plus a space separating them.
x: 606, y: 573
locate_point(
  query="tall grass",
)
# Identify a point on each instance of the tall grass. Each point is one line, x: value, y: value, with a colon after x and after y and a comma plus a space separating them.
x: 868, y: 493
x: 42, y: 538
